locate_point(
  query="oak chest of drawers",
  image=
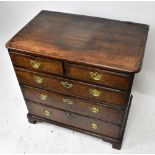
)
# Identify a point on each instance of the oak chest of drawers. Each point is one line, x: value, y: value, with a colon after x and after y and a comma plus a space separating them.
x: 77, y: 71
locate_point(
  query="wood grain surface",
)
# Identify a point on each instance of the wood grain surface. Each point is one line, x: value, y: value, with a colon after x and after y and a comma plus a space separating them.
x: 77, y: 105
x: 75, y: 120
x: 79, y: 89
x: 90, y: 40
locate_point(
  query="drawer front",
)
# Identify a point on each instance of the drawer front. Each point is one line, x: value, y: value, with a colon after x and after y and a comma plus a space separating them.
x: 74, y: 120
x: 101, y: 77
x: 36, y: 63
x: 71, y: 87
x: 73, y: 104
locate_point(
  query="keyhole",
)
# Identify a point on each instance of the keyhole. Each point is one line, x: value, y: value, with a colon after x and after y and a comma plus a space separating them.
x: 69, y: 115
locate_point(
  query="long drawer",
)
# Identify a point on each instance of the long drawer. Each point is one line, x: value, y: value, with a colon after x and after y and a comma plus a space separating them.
x: 71, y: 87
x: 36, y: 63
x: 86, y: 123
x: 73, y: 104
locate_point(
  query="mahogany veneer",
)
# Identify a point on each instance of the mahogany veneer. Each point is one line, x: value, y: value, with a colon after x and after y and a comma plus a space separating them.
x: 77, y: 71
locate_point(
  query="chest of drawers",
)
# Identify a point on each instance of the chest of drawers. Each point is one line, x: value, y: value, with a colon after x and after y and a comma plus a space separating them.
x: 77, y: 71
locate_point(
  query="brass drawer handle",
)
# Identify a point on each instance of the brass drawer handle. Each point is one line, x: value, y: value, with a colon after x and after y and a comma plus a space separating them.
x: 94, y: 109
x: 35, y: 64
x: 95, y: 92
x: 96, y: 76
x: 47, y: 113
x: 66, y: 84
x: 38, y: 79
x: 67, y: 101
x: 43, y: 97
x: 94, y: 126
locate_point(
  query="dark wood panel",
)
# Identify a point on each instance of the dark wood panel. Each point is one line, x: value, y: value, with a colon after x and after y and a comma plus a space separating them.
x: 101, y: 42
x: 116, y: 142
x: 100, y: 77
x: 90, y: 124
x: 37, y: 63
x: 73, y: 104
x: 72, y: 87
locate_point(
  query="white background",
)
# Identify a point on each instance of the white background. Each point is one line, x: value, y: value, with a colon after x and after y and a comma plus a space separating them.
x: 18, y: 136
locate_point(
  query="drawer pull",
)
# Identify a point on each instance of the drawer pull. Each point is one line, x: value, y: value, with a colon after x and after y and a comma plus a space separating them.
x: 96, y: 76
x: 95, y: 92
x: 38, y: 79
x: 66, y: 84
x: 67, y: 101
x: 35, y: 64
x: 43, y: 97
x: 47, y: 113
x: 94, y: 126
x: 94, y: 109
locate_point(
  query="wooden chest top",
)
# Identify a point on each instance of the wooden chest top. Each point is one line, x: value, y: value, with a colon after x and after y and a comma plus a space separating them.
x: 104, y: 43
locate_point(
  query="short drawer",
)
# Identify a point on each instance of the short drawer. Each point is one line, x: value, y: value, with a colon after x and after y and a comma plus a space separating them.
x: 71, y: 119
x: 100, y: 77
x: 73, y: 104
x: 36, y: 63
x: 72, y: 87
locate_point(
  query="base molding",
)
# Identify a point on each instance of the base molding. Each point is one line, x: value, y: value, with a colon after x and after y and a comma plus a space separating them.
x: 116, y: 143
